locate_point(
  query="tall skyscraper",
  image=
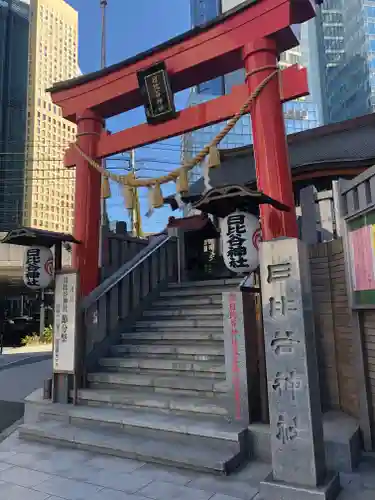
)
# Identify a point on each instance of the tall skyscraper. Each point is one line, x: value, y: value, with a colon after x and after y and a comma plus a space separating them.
x: 299, y: 115
x: 53, y: 56
x: 346, y: 34
x: 14, y: 33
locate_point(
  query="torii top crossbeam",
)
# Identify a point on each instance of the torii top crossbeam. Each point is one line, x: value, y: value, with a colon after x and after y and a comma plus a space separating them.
x: 196, y: 56
x: 251, y: 36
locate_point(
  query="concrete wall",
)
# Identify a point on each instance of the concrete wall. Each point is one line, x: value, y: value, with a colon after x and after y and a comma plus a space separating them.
x: 336, y: 354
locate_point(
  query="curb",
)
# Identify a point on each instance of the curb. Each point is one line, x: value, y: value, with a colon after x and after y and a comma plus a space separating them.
x: 9, y: 430
x: 28, y: 360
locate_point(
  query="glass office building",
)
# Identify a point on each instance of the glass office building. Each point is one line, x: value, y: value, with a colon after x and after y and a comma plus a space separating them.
x: 346, y: 32
x: 14, y: 34
x: 300, y: 115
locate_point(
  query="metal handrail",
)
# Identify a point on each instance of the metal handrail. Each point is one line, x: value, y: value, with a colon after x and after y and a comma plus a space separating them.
x: 124, y: 270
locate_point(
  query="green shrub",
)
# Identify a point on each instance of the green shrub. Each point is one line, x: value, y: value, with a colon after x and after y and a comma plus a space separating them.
x: 45, y: 338
x: 31, y: 340
x: 47, y: 335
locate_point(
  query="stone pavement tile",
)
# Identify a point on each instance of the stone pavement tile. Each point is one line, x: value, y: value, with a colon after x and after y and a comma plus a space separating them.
x: 54, y: 465
x: 357, y: 495
x: 356, y: 480
x: 44, y: 451
x: 253, y: 472
x: 13, y: 492
x: 167, y: 474
x: 224, y: 485
x: 30, y: 447
x: 5, y: 455
x: 220, y: 496
x: 114, y: 464
x: 81, y: 472
x: 129, y: 483
x: 67, y: 489
x: 4, y: 466
x: 20, y: 459
x: 368, y: 481
x: 23, y: 477
x: 108, y: 494
x: 160, y: 490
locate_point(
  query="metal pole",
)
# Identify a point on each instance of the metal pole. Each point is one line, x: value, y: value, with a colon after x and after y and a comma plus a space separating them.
x: 103, y: 5
x: 42, y: 319
x: 133, y: 212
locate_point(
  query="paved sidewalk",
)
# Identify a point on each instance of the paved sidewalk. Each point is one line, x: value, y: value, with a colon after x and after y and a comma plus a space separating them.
x: 28, y: 349
x: 31, y: 471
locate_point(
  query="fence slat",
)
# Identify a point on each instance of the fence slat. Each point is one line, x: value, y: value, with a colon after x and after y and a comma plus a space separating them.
x: 121, y: 247
x: 145, y: 278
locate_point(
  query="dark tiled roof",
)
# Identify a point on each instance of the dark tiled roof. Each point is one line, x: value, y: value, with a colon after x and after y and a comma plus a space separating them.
x: 27, y: 236
x: 344, y: 144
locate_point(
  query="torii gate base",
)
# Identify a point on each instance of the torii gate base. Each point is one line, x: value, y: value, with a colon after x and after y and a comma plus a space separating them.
x: 251, y: 36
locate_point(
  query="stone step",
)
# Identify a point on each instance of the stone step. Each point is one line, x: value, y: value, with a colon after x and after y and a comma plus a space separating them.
x: 189, y: 301
x: 138, y: 421
x: 193, y: 292
x: 159, y: 382
x: 154, y: 401
x: 208, y: 351
x: 183, y: 323
x: 173, y: 373
x: 206, y: 284
x: 189, y: 311
x: 144, y: 335
x: 208, y: 446
x: 163, y: 364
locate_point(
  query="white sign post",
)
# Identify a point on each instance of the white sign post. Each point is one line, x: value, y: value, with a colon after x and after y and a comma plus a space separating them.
x: 65, y: 322
x: 38, y: 267
x: 240, y: 236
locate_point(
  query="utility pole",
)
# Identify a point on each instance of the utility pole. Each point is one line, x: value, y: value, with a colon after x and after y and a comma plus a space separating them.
x: 103, y: 5
x: 132, y: 211
x: 135, y: 213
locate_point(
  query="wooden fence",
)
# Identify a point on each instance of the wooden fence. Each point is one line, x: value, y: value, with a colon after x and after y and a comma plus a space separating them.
x: 318, y: 214
x: 118, y: 247
x: 321, y: 228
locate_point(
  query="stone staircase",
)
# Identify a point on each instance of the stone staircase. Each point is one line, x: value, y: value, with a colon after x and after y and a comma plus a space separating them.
x: 160, y: 395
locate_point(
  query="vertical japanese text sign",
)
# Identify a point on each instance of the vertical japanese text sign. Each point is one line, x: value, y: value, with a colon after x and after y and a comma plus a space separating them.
x: 38, y: 267
x: 65, y: 321
x: 155, y: 87
x: 235, y: 357
x: 292, y: 370
x: 240, y: 237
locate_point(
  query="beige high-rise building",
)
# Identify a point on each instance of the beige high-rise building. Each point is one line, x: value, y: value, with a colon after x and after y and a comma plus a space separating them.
x: 53, y: 57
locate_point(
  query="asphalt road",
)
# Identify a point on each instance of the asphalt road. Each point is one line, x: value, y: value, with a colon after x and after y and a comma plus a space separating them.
x: 10, y: 358
x: 19, y: 381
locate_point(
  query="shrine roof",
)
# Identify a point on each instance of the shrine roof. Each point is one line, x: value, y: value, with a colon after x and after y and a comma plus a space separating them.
x: 344, y: 146
x: 195, y: 223
x: 67, y: 84
x: 27, y: 236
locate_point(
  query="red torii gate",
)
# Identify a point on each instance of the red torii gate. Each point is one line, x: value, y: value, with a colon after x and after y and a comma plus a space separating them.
x: 252, y: 37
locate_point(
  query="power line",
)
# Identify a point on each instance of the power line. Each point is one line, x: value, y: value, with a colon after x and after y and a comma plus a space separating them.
x: 52, y: 170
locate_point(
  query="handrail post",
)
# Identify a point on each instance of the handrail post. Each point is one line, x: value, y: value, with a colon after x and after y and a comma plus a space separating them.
x: 178, y: 233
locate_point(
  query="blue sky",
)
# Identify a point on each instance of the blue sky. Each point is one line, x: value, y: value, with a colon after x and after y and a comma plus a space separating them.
x: 132, y: 27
